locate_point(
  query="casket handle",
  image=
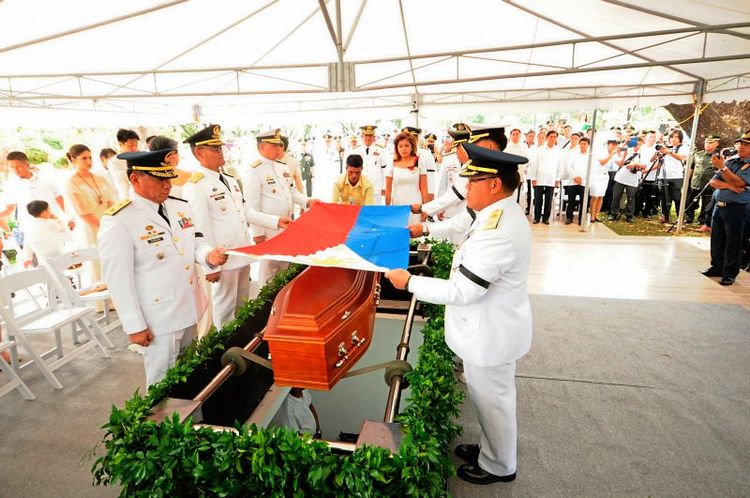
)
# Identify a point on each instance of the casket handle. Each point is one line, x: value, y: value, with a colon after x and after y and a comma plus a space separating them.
x: 346, y: 315
x: 344, y: 354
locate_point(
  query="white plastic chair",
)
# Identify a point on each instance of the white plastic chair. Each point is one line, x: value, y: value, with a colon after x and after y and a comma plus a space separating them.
x: 49, y: 319
x: 15, y: 380
x: 60, y: 267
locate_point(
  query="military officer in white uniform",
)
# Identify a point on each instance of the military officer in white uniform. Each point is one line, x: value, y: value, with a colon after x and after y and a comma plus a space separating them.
x: 487, y: 313
x: 454, y: 227
x: 374, y: 160
x: 223, y: 216
x: 266, y: 186
x: 149, y: 246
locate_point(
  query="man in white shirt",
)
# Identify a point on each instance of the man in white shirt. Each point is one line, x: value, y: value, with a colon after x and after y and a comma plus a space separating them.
x: 45, y: 235
x: 530, y: 141
x: 518, y: 147
x: 566, y: 141
x: 671, y: 174
x: 575, y: 171
x: 117, y: 168
x: 545, y: 172
x: 28, y: 186
x: 647, y: 197
x: 626, y: 179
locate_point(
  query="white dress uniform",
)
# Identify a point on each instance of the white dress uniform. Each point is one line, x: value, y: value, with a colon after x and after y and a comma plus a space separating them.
x: 453, y: 200
x: 452, y: 229
x: 488, y: 321
x: 267, y: 191
x: 223, y: 216
x: 427, y: 163
x: 149, y: 267
x: 374, y: 166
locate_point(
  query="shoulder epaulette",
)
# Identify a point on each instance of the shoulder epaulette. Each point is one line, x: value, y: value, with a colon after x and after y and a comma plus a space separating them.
x: 196, y: 177
x: 256, y: 163
x: 177, y: 198
x: 494, y: 220
x: 117, y: 207
x: 280, y: 161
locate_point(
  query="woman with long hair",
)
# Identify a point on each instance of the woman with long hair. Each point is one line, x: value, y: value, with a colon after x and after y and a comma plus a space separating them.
x: 405, y: 181
x: 88, y: 194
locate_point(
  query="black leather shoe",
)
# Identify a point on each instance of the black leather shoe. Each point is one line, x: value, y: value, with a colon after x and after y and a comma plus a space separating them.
x: 476, y: 475
x: 726, y: 281
x: 467, y: 452
x: 536, y: 222
x: 568, y: 222
x: 546, y: 222
x: 711, y: 272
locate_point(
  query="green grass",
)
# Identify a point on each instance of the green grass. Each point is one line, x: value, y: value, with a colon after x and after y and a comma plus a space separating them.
x: 651, y: 227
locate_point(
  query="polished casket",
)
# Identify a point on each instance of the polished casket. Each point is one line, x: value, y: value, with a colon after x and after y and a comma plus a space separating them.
x: 320, y: 325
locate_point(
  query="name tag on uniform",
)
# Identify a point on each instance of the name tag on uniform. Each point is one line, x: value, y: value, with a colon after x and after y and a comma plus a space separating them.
x: 155, y: 239
x: 218, y: 197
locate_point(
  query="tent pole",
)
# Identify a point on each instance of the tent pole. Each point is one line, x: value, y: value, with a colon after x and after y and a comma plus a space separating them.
x: 700, y: 88
x: 585, y: 202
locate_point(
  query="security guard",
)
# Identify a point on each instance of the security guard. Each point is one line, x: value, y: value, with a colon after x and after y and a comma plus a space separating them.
x: 375, y: 162
x: 487, y: 313
x: 731, y: 212
x: 702, y: 172
x: 223, y: 216
x: 266, y: 187
x: 149, y: 245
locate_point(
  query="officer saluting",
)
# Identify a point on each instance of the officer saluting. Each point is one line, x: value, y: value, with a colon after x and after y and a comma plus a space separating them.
x: 149, y: 245
x: 487, y: 313
x: 223, y: 216
x: 267, y: 191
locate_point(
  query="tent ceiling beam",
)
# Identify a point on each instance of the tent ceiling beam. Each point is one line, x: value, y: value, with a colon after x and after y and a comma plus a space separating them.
x: 589, y: 37
x: 573, y: 41
x: 353, y: 28
x: 646, y: 48
x: 408, y: 47
x: 88, y: 27
x: 665, y: 15
x: 200, y: 43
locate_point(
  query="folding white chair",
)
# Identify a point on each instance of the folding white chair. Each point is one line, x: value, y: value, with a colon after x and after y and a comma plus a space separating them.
x: 60, y: 267
x: 49, y: 319
x: 15, y: 380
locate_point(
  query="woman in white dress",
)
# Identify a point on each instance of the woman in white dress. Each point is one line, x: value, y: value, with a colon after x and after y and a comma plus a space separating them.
x: 405, y: 180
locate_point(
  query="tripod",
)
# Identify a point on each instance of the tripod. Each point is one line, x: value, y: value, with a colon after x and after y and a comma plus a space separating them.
x: 646, y: 189
x: 687, y: 208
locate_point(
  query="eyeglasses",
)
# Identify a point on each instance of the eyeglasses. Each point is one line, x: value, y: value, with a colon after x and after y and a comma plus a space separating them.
x: 215, y: 148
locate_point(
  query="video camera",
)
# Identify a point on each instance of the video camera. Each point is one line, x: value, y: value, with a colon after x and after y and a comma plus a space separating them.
x: 728, y: 152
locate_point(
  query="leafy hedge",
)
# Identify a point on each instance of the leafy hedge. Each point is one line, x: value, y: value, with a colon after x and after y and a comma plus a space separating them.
x: 172, y: 458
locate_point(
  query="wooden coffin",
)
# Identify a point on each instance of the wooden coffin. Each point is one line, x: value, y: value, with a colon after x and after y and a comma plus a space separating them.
x: 320, y: 325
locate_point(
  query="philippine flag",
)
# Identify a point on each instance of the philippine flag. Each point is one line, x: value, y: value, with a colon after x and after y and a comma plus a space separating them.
x: 373, y: 238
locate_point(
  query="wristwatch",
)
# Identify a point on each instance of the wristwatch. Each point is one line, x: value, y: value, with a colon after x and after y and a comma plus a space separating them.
x: 723, y: 169
x: 425, y: 230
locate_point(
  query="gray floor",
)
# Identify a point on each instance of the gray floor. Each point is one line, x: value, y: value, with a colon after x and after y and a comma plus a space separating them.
x: 616, y: 398
x: 630, y: 398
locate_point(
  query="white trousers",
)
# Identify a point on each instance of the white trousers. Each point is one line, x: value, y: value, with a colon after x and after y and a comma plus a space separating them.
x: 162, y: 353
x: 268, y: 270
x: 493, y: 392
x: 229, y: 293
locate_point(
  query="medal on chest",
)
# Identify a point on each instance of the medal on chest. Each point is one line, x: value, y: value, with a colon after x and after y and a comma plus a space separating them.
x: 184, y: 221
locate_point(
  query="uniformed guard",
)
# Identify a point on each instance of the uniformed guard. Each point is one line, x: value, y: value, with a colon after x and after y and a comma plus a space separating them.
x: 149, y: 246
x: 487, y: 313
x: 453, y: 201
x: 731, y: 212
x: 223, y: 216
x: 374, y: 159
x: 267, y: 191
x: 306, y: 166
x: 703, y: 172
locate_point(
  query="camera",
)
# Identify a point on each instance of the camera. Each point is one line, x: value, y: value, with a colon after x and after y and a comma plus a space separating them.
x: 728, y: 152
x: 659, y: 146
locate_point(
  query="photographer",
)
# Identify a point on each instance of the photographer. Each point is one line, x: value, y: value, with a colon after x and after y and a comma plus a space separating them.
x: 731, y: 212
x: 701, y: 174
x: 627, y: 179
x: 671, y: 173
x: 647, y: 197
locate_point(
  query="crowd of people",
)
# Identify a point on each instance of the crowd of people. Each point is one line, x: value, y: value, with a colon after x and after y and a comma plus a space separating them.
x: 162, y: 230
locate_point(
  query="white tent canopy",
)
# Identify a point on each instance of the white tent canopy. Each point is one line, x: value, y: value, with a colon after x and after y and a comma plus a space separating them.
x: 183, y: 59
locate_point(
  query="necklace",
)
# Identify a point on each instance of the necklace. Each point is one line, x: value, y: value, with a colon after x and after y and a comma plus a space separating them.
x: 94, y: 188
